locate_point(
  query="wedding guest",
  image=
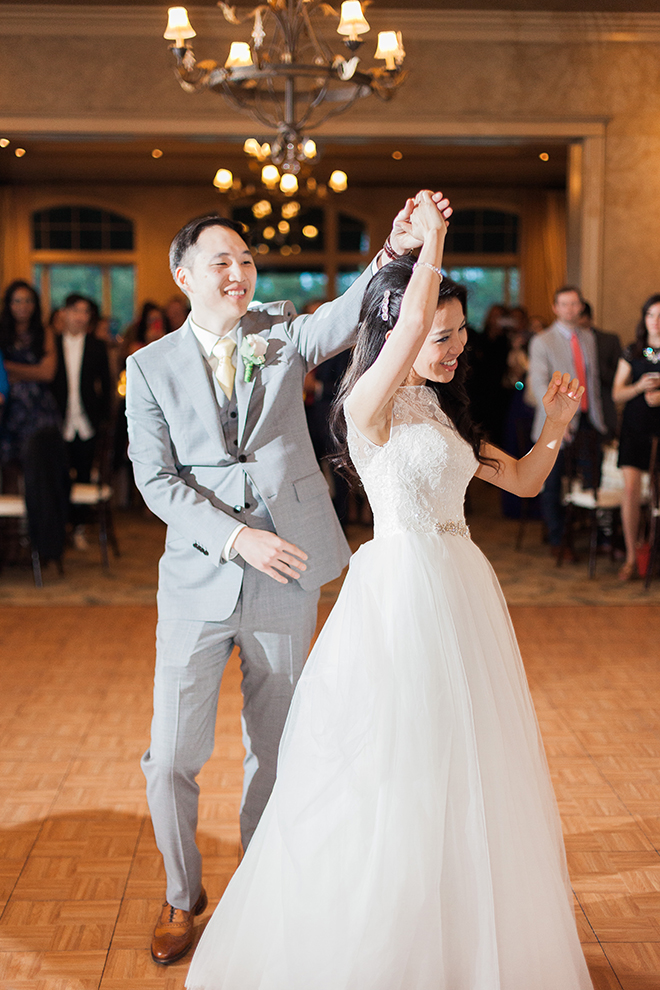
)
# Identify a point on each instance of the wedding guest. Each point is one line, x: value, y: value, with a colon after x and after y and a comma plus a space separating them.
x: 637, y: 386
x: 151, y: 325
x: 4, y: 382
x: 565, y: 344
x: 82, y: 390
x: 608, y: 347
x: 176, y: 312
x: 28, y: 352
x: 222, y: 454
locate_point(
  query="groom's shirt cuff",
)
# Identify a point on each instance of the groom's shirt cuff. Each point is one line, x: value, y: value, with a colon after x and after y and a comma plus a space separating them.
x: 228, y: 552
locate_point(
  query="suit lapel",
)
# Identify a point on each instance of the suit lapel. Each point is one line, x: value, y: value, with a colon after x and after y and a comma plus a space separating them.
x: 245, y: 389
x: 191, y: 370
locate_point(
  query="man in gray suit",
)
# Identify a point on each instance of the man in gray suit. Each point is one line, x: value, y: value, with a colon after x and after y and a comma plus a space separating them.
x: 221, y: 452
x: 567, y: 345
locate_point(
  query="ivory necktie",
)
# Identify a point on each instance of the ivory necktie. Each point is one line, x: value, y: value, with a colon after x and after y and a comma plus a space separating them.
x: 580, y: 370
x: 225, y: 372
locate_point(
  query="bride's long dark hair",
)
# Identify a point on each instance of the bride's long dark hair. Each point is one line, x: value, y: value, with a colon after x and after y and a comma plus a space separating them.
x: 372, y: 330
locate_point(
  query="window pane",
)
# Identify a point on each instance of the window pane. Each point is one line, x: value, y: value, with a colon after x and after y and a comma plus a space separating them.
x: 486, y: 286
x: 122, y: 296
x: 346, y: 279
x: 299, y: 287
x: 85, y: 279
x: 81, y: 228
x: 352, y: 234
x: 482, y: 232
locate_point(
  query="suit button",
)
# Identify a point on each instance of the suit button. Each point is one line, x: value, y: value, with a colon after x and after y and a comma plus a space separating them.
x: 242, y: 458
x: 235, y: 443
x: 233, y: 415
x: 238, y: 508
x: 247, y: 505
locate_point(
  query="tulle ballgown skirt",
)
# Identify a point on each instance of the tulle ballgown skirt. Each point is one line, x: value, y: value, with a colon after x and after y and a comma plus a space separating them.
x: 412, y: 840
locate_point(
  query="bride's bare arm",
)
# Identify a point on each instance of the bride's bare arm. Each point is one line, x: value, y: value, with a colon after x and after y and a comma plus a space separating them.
x: 371, y: 398
x: 525, y: 477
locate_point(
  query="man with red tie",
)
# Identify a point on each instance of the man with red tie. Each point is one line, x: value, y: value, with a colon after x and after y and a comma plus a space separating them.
x: 565, y: 344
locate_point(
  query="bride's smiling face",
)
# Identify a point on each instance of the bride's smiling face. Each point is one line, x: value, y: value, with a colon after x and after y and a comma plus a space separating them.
x: 438, y: 359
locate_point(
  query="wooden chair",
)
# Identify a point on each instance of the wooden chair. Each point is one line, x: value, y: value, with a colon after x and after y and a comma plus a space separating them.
x: 654, y: 510
x: 97, y: 495
x: 13, y: 520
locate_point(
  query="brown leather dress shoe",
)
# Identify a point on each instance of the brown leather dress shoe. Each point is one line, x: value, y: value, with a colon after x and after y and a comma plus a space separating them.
x: 173, y: 934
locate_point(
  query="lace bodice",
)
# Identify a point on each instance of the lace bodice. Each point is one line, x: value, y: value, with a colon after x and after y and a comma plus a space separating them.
x: 417, y: 480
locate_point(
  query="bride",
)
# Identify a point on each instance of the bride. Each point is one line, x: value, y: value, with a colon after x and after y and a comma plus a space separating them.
x: 412, y: 840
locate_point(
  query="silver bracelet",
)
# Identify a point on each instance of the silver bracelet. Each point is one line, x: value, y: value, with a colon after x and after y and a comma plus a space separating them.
x: 427, y: 264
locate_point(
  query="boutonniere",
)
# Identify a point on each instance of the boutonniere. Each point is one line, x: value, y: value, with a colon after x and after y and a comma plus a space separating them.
x: 253, y: 350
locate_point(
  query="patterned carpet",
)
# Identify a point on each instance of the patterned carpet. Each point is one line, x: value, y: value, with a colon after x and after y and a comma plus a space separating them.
x: 528, y: 576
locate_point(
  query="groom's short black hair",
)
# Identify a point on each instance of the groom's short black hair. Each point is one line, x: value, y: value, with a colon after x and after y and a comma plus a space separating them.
x: 188, y: 235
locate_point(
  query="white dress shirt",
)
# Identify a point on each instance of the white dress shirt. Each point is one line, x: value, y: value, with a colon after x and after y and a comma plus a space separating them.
x: 75, y: 421
x: 207, y: 341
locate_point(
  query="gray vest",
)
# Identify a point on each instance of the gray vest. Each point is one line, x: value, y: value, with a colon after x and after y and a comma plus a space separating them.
x: 249, y: 507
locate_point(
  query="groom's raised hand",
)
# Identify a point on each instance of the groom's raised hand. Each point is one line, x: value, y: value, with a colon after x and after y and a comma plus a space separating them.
x: 270, y: 554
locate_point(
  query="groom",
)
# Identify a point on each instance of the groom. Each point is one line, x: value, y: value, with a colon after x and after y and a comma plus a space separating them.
x: 221, y: 453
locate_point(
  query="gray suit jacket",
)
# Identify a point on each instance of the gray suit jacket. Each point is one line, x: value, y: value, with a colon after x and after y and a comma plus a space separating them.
x: 550, y: 351
x: 190, y: 480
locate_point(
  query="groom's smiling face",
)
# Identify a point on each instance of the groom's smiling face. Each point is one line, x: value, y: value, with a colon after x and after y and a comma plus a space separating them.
x: 218, y: 275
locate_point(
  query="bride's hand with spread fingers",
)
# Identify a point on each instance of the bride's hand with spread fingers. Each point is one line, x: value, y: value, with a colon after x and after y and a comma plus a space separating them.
x: 562, y: 399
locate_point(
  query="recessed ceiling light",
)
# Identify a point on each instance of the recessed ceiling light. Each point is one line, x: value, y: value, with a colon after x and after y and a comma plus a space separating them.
x: 544, y: 156
x: 156, y: 153
x: 19, y: 152
x: 397, y: 155
x: 4, y: 142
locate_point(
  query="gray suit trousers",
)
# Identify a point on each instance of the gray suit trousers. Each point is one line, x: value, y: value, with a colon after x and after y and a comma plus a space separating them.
x: 272, y: 625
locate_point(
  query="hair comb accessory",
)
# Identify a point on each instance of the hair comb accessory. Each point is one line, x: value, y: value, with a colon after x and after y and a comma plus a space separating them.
x: 385, y: 307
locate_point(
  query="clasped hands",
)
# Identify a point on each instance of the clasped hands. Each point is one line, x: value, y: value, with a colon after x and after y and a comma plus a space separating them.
x: 403, y: 237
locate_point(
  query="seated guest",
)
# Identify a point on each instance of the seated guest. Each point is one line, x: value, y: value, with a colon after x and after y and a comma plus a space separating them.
x: 82, y: 391
x: 565, y: 344
x: 30, y: 360
x: 4, y: 382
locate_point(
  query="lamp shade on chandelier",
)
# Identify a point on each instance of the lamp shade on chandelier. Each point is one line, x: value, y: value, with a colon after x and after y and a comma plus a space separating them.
x: 287, y: 77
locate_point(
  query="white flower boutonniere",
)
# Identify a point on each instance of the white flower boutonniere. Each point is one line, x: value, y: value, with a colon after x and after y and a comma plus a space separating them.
x: 253, y: 350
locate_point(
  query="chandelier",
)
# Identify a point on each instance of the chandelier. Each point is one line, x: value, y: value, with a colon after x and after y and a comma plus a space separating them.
x: 287, y: 77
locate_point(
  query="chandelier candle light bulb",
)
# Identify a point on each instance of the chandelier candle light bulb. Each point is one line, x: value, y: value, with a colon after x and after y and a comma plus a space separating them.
x: 223, y: 180
x: 270, y: 176
x: 179, y: 28
x: 338, y: 181
x: 240, y: 56
x: 352, y: 21
x: 388, y: 48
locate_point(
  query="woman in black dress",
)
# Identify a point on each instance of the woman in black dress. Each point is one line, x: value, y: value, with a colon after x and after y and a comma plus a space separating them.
x: 28, y: 351
x: 637, y: 384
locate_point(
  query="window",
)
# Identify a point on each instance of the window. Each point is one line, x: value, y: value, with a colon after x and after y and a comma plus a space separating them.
x: 73, y: 251
x: 80, y: 228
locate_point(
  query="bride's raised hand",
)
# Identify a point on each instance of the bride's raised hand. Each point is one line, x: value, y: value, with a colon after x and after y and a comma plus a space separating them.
x: 562, y: 399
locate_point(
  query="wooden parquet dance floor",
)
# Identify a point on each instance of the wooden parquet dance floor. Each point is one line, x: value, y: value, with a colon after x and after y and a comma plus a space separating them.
x: 80, y: 877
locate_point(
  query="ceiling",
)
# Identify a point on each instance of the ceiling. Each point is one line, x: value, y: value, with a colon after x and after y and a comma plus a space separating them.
x: 60, y: 159
x: 596, y: 6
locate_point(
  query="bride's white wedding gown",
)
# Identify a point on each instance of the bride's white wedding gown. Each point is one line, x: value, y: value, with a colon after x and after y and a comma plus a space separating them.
x: 412, y: 840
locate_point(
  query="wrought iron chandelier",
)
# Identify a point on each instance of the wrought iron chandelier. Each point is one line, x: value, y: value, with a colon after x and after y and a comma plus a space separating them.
x: 288, y: 78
